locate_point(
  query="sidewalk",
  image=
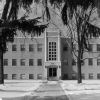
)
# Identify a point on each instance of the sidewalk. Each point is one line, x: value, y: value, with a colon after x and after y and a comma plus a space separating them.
x: 46, y: 91
x: 51, y: 91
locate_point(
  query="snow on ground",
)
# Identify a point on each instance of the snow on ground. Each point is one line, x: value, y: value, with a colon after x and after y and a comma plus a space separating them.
x: 16, y: 88
x: 86, y: 87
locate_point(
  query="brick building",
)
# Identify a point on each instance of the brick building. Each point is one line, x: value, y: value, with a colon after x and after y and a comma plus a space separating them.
x: 49, y: 57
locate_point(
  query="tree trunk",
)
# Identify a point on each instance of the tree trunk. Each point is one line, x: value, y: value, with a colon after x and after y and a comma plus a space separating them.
x: 1, y: 68
x: 79, y: 67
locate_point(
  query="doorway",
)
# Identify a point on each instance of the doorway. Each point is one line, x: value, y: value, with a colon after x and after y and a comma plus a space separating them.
x: 52, y: 72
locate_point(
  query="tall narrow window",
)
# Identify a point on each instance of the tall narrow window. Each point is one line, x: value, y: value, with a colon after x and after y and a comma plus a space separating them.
x: 5, y: 62
x: 90, y: 61
x: 82, y: 62
x: 98, y: 61
x: 14, y: 47
x: 22, y: 47
x: 39, y: 47
x: 31, y: 47
x: 52, y: 51
x: 22, y: 62
x: 98, y: 76
x: 39, y: 62
x: 14, y: 62
x: 98, y: 47
x: 90, y: 47
x: 31, y: 62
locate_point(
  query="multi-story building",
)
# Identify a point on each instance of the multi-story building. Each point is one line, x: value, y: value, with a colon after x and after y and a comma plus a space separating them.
x: 48, y: 56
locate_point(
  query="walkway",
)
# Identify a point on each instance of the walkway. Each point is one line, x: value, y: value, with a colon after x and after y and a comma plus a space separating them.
x: 47, y: 91
x: 50, y: 91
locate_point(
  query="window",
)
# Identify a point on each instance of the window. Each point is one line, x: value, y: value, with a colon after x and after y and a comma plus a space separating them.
x: 39, y: 62
x: 31, y: 47
x: 98, y: 76
x: 31, y: 76
x: 22, y: 62
x: 22, y: 76
x: 5, y: 62
x: 90, y: 75
x: 14, y: 48
x: 73, y: 62
x: 90, y: 61
x: 98, y: 61
x: 65, y: 48
x: 39, y: 47
x: 82, y: 62
x: 90, y: 47
x: 14, y: 76
x: 52, y: 51
x: 39, y: 76
x: 73, y: 76
x: 14, y: 62
x: 98, y: 47
x: 5, y: 76
x: 65, y: 76
x: 31, y: 62
x: 83, y: 76
x: 22, y: 47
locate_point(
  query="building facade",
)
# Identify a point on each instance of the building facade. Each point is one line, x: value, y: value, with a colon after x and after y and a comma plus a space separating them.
x: 48, y: 57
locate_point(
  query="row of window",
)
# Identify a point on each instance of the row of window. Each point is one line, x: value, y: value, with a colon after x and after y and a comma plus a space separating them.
x: 91, y: 47
x: 90, y: 76
x: 22, y: 62
x: 90, y: 62
x: 31, y: 47
x: 23, y: 76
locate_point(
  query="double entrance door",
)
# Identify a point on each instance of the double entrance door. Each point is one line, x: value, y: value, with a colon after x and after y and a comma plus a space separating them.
x: 52, y: 73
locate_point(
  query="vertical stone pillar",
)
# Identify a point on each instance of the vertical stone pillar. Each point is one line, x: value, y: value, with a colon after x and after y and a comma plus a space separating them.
x: 59, y: 57
x: 45, y: 56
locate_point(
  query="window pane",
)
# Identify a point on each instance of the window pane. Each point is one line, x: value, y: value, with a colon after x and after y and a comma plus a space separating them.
x: 65, y: 48
x: 98, y: 61
x: 90, y: 75
x: 5, y: 62
x: 22, y: 47
x: 90, y: 47
x: 31, y: 63
x: 14, y: 62
x: 52, y: 51
x: 83, y: 76
x: 82, y: 62
x: 14, y: 48
x: 31, y: 76
x: 14, y: 76
x: 73, y: 76
x: 39, y: 76
x: 98, y: 47
x: 39, y: 62
x: 5, y: 76
x: 31, y: 47
x: 98, y: 76
x: 22, y: 76
x: 22, y: 62
x: 39, y: 47
x: 73, y: 62
x: 90, y: 61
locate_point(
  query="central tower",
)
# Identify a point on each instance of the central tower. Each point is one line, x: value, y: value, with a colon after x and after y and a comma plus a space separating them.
x: 52, y: 65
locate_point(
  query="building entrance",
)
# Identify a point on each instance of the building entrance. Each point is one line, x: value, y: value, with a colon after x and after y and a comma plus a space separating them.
x: 52, y: 72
